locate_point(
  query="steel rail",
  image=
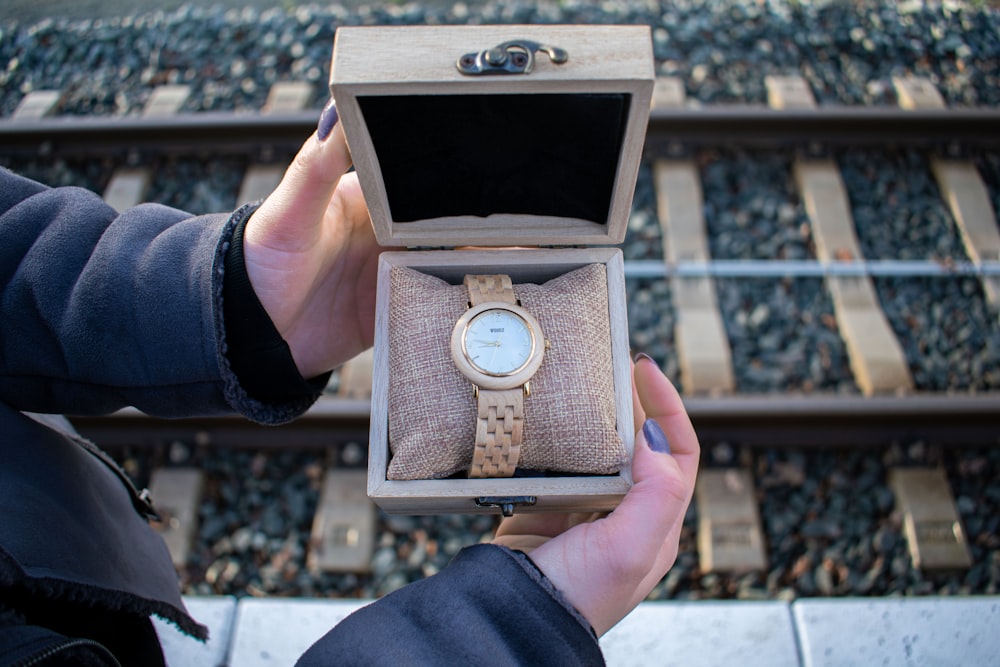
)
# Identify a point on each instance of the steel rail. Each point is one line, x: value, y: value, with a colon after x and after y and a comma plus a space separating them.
x: 836, y: 125
x: 670, y: 130
x: 780, y: 268
x: 767, y: 420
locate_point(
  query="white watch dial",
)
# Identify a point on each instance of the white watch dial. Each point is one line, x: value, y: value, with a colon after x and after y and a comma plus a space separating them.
x: 498, y: 342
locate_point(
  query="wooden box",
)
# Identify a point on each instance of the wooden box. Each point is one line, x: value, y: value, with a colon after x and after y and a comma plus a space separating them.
x: 429, y: 117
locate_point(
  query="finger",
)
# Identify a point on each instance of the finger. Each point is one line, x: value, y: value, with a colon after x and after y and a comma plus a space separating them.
x: 663, y: 561
x: 663, y: 482
x: 292, y: 215
x: 660, y: 493
x: 543, y: 524
x: 525, y: 543
x: 660, y: 401
x: 638, y: 414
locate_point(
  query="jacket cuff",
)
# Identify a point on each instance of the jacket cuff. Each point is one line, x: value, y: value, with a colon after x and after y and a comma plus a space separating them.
x: 539, y: 578
x: 490, y: 606
x: 248, y: 343
x: 257, y: 353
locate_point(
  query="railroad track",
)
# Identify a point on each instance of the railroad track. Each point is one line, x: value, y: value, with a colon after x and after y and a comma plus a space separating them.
x: 869, y: 398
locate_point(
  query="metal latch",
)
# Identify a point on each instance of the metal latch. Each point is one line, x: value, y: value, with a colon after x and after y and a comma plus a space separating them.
x: 514, y: 57
x: 506, y: 503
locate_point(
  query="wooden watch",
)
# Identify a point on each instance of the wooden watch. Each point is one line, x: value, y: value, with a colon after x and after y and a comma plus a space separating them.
x: 498, y: 345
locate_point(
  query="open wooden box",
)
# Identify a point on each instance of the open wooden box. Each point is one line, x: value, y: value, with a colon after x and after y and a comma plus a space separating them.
x: 562, y: 129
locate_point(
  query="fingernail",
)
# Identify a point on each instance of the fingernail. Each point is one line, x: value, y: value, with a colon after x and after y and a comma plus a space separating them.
x: 642, y: 355
x: 655, y: 437
x: 327, y: 120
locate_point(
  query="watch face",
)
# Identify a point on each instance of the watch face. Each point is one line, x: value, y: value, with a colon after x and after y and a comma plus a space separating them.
x: 498, y: 342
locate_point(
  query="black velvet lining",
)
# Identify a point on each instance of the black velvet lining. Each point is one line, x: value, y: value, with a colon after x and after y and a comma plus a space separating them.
x: 259, y: 356
x: 533, y: 154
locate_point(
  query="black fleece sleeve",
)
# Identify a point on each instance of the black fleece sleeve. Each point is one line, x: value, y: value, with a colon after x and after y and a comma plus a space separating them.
x: 490, y: 606
x: 100, y: 309
x: 257, y: 353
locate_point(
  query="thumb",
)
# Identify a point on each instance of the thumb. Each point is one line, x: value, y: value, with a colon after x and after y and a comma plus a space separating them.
x: 664, y: 466
x: 658, y: 499
x: 291, y: 217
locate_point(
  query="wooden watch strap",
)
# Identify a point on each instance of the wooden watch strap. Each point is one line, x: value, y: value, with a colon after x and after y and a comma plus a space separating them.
x: 490, y: 288
x: 500, y: 413
x: 498, y: 433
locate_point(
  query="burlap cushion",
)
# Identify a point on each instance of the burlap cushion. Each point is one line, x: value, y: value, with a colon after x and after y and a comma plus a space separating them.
x: 570, y: 416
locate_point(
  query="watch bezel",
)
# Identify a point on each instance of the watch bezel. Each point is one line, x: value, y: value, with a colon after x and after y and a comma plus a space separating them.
x: 485, y: 380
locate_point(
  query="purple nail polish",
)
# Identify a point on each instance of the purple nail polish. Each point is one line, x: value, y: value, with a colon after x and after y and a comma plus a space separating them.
x: 327, y: 120
x: 655, y: 437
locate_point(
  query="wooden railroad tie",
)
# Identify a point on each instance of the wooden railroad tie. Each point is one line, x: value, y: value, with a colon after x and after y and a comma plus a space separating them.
x: 730, y: 536
x: 176, y: 496
x: 934, y: 532
x: 356, y: 376
x: 876, y: 356
x: 343, y: 534
x: 36, y: 105
x: 343, y: 531
x: 703, y: 349
x: 962, y: 187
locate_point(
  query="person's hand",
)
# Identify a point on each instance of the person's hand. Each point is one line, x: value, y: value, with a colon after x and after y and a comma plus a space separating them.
x: 311, y: 255
x: 606, y: 566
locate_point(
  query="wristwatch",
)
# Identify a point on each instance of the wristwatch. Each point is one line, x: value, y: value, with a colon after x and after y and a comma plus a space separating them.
x: 498, y: 346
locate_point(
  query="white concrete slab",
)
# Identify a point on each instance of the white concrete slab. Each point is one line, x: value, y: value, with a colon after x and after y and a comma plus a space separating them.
x: 705, y: 633
x: 273, y: 632
x: 898, y: 632
x: 277, y: 632
x: 903, y: 632
x: 181, y: 650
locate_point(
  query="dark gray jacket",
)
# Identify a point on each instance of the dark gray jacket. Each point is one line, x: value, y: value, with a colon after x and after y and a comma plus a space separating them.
x: 101, y: 310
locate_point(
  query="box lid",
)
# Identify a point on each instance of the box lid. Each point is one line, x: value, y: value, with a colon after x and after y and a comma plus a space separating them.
x: 451, y: 148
